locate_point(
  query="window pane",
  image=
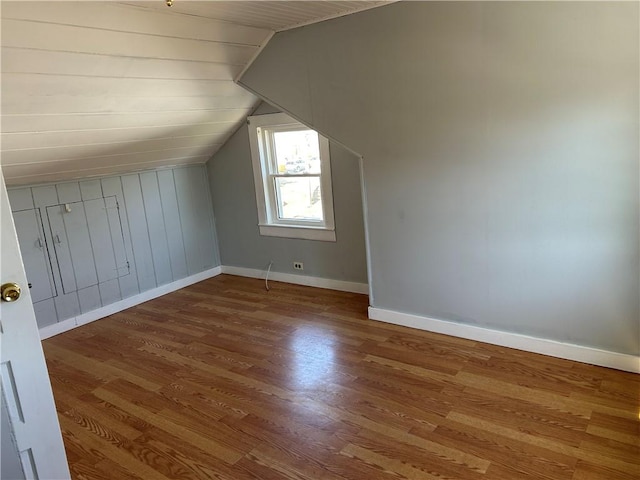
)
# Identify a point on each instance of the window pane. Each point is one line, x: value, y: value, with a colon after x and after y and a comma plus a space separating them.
x: 299, y: 198
x: 297, y: 151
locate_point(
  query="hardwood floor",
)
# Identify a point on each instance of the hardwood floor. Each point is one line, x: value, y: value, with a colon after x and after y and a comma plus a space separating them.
x: 223, y: 380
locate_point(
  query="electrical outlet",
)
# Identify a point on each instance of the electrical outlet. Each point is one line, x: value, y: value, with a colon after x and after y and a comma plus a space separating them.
x: 298, y: 265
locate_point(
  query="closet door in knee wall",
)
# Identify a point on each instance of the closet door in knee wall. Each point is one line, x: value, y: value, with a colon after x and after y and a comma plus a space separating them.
x: 91, y: 243
x: 35, y: 255
x: 89, y: 249
x: 73, y: 251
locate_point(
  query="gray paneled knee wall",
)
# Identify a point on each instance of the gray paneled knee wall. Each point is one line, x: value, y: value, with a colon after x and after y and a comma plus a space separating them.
x: 91, y: 243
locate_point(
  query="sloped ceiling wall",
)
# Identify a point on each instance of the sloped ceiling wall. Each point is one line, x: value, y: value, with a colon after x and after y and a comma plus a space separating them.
x: 500, y: 145
x: 95, y: 88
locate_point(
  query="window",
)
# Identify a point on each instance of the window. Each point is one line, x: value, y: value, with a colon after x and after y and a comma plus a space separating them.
x: 292, y: 175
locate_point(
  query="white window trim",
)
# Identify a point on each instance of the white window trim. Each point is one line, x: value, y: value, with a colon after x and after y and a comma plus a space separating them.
x: 268, y: 222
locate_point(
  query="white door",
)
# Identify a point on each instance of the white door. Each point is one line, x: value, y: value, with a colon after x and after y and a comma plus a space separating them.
x: 35, y: 442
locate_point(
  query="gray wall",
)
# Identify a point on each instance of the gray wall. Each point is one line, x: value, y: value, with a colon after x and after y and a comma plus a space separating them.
x: 167, y: 234
x: 500, y: 144
x: 241, y: 245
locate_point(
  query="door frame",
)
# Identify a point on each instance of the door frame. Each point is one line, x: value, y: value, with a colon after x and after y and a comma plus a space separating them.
x: 26, y: 387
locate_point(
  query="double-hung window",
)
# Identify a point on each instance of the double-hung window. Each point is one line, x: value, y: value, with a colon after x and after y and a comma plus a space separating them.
x: 292, y: 175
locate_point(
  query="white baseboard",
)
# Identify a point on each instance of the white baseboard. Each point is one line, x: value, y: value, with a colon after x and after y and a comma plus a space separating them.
x: 93, y: 315
x: 328, y: 283
x: 578, y: 353
x: 60, y: 327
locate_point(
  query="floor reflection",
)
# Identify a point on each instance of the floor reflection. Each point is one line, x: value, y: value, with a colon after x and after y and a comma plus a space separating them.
x: 314, y: 357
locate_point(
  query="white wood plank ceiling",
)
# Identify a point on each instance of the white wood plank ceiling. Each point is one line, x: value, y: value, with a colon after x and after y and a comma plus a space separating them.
x: 96, y: 88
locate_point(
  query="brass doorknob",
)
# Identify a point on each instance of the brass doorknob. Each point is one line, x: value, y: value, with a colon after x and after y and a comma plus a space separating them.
x: 10, y: 292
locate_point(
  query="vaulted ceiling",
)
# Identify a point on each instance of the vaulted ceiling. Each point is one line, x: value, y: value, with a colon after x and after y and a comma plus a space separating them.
x: 96, y: 88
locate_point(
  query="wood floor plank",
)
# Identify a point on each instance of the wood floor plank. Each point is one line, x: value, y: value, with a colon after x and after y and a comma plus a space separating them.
x: 439, y: 464
x: 535, y: 374
x: 89, y: 402
x: 109, y: 450
x: 526, y: 415
x: 200, y: 460
x: 383, y: 410
x: 534, y: 461
x: 189, y: 434
x: 388, y: 464
x: 586, y: 470
x: 93, y: 367
x: 627, y: 465
x: 288, y: 462
x: 559, y: 402
x: 224, y: 380
x: 626, y: 426
x: 108, y: 469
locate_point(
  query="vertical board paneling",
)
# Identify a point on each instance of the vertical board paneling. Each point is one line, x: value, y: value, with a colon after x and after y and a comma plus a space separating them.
x: 112, y: 187
x: 44, y: 196
x: 34, y: 254
x: 119, y: 239
x: 66, y: 305
x: 207, y: 234
x: 61, y: 248
x: 157, y: 230
x: 77, y: 233
x: 188, y: 218
x: 139, y: 231
x: 68, y: 192
x: 90, y: 190
x: 103, y: 254
x: 89, y: 298
x: 20, y: 199
x: 195, y: 214
x: 45, y: 313
x: 121, y: 236
x: 172, y: 223
x: 110, y: 292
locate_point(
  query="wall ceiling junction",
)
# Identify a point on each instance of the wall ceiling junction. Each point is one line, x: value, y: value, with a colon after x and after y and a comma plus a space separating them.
x: 96, y: 88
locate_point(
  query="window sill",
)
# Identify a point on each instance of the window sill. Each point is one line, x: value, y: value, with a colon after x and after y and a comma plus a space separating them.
x: 301, y: 233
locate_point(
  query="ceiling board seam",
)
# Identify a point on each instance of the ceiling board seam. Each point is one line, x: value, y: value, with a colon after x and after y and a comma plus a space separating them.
x: 93, y: 157
x: 103, y: 144
x: 135, y: 57
x: 290, y: 11
x: 105, y: 166
x: 186, y: 14
x: 48, y: 74
x: 155, y: 112
x: 114, y: 128
x: 118, y: 113
x: 102, y: 29
x: 13, y: 184
x: 274, y: 15
x: 336, y: 15
x: 123, y: 77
